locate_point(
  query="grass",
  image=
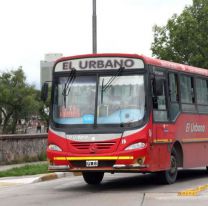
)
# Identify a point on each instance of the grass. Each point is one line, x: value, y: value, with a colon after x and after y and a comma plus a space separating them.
x: 26, y: 170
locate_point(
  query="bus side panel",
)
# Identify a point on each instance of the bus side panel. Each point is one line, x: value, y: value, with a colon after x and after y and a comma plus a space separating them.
x: 195, y: 154
x: 160, y: 157
x: 192, y: 133
x: 160, y: 150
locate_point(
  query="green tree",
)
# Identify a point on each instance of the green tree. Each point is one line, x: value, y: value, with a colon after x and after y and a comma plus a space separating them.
x: 17, y: 99
x: 184, y: 38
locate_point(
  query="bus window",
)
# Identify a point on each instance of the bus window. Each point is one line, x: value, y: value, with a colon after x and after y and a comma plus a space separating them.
x: 202, y: 95
x: 74, y: 104
x: 121, y: 102
x: 174, y: 96
x: 159, y: 102
x: 187, y: 93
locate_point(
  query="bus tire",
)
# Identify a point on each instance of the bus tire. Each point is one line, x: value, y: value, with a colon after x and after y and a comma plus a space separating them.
x: 93, y: 178
x: 170, y: 176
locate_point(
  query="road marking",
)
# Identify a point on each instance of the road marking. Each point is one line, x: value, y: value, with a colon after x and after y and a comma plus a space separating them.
x: 193, y: 191
x: 6, y: 184
x: 173, y: 196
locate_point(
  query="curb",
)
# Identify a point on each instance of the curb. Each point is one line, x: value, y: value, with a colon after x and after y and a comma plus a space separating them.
x: 48, y: 177
x: 55, y: 175
x: 51, y: 176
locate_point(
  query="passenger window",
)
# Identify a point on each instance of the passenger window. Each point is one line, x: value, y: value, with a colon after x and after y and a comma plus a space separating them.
x: 159, y: 100
x: 187, y: 93
x: 202, y: 95
x: 174, y: 96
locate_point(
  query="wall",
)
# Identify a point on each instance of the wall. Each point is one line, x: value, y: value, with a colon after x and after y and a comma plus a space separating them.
x: 22, y: 148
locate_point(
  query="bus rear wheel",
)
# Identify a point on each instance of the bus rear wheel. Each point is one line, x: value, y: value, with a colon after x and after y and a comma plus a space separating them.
x: 93, y: 178
x: 170, y: 176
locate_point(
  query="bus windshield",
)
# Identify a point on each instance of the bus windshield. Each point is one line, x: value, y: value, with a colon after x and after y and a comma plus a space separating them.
x: 119, y: 100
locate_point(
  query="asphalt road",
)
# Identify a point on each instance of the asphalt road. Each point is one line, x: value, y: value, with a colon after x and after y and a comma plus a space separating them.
x: 117, y: 189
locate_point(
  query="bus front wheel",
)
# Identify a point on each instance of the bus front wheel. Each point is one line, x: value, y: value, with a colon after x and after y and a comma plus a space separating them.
x: 170, y: 176
x: 93, y: 178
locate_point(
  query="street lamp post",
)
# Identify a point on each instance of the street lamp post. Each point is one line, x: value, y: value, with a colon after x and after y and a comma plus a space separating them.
x: 94, y: 28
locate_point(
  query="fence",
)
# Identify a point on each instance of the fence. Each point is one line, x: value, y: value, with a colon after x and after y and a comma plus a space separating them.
x: 22, y: 148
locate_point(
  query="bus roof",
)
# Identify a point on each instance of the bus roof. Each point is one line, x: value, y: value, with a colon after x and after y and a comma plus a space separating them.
x: 174, y: 66
x: 147, y: 60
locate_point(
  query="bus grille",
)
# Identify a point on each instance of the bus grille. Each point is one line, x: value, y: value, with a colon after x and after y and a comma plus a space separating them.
x: 99, y: 146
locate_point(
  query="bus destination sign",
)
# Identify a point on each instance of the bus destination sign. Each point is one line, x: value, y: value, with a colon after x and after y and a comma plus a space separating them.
x: 99, y: 63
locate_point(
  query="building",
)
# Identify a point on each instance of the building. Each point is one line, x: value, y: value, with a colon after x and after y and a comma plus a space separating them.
x: 46, y: 67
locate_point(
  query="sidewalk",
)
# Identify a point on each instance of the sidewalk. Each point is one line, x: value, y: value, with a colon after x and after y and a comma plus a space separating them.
x: 11, y: 181
x: 20, y: 180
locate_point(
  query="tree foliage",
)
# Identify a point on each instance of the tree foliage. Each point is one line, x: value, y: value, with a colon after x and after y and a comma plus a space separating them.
x: 184, y: 38
x: 18, y: 100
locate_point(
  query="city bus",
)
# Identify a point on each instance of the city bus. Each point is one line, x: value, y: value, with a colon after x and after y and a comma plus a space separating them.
x: 113, y: 113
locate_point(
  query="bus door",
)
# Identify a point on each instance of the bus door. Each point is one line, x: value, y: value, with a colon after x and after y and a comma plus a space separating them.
x: 163, y: 130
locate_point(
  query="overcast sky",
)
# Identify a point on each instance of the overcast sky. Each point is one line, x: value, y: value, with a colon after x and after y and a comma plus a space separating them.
x: 31, y: 28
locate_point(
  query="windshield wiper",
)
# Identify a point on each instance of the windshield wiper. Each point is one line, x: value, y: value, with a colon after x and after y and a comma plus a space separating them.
x: 68, y: 84
x: 108, y: 84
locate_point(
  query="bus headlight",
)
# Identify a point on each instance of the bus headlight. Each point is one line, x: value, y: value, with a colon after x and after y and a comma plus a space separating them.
x: 139, y: 145
x: 54, y: 147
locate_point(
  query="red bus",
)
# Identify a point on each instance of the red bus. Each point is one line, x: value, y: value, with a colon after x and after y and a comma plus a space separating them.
x: 127, y: 113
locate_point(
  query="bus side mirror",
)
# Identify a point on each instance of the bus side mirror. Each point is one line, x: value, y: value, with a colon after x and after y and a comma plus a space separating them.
x: 44, y: 92
x: 158, y: 86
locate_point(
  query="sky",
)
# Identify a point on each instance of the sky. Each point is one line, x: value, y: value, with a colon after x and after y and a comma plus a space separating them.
x: 29, y: 29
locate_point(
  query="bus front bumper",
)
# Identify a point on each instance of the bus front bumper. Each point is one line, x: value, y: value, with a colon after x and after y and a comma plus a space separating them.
x: 58, y: 168
x: 131, y: 166
x: 115, y: 167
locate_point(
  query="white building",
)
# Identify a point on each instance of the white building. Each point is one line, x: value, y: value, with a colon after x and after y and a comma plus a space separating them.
x: 46, y: 66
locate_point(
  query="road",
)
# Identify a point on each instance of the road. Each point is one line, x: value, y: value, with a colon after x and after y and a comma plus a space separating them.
x: 117, y: 189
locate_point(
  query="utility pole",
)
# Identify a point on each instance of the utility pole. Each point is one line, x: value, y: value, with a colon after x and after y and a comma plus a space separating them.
x: 94, y: 28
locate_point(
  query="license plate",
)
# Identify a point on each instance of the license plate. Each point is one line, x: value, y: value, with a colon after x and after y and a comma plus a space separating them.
x: 92, y: 163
